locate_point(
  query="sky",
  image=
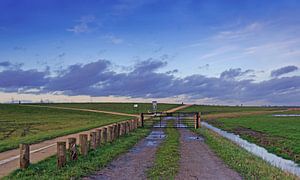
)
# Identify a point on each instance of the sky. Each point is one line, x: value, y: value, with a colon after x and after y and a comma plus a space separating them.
x: 195, y: 51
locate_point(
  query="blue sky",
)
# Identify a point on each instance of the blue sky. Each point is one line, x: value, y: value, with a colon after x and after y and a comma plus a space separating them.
x: 178, y: 45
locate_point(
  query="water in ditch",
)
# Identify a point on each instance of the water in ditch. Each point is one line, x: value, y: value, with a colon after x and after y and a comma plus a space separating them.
x: 286, y: 165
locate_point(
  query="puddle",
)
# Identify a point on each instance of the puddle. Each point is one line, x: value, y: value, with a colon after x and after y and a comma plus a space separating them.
x: 152, y: 140
x: 286, y: 115
x: 194, y: 138
x: 286, y: 165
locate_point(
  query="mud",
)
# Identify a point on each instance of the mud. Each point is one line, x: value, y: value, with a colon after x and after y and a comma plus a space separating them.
x: 134, y: 164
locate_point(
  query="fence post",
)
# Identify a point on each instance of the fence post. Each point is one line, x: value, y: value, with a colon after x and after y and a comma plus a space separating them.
x: 83, y: 143
x: 98, y: 137
x: 61, y: 154
x: 109, y: 136
x: 116, y: 134
x: 24, y: 156
x: 72, y: 149
x: 104, y: 135
x: 93, y: 140
x: 119, y: 129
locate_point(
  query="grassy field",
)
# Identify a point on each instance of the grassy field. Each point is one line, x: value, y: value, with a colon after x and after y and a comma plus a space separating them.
x: 279, y: 135
x: 166, y: 162
x: 32, y: 124
x: 246, y: 164
x: 84, y: 166
x: 117, y: 107
x: 206, y: 109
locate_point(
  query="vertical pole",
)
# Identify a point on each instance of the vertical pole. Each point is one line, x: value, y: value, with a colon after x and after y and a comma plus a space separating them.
x: 104, y: 135
x: 199, y: 119
x: 61, y: 154
x: 116, y: 134
x: 83, y: 143
x: 109, y: 134
x: 24, y: 156
x: 72, y: 149
x: 93, y: 140
x: 98, y: 137
x: 142, y: 119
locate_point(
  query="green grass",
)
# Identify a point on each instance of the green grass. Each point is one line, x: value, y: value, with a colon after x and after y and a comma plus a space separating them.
x: 246, y: 164
x: 84, y: 166
x: 207, y: 109
x: 167, y: 157
x: 279, y: 135
x: 117, y: 107
x: 21, y: 124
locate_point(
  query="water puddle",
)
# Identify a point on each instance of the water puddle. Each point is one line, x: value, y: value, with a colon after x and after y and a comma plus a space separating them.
x: 286, y: 115
x: 286, y: 165
x: 194, y: 138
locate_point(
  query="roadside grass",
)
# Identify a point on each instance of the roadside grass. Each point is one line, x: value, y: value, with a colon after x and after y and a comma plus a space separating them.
x: 246, y: 164
x: 84, y: 166
x: 116, y: 107
x: 167, y: 157
x: 279, y: 135
x: 22, y: 124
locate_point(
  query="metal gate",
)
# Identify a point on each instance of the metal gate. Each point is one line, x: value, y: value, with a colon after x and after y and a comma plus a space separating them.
x: 171, y: 120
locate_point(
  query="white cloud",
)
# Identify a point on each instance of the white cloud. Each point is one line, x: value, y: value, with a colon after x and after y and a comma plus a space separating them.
x: 84, y: 25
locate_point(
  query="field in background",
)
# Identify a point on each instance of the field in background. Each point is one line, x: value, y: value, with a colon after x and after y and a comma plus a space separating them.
x: 206, y: 109
x: 32, y: 124
x: 279, y: 135
x: 116, y: 107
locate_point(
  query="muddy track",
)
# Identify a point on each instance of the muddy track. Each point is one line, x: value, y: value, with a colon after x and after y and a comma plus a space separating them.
x: 134, y: 164
x: 197, y: 161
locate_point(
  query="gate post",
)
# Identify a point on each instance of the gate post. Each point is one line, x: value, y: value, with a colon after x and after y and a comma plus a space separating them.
x: 199, y: 119
x: 142, y: 119
x: 196, y: 121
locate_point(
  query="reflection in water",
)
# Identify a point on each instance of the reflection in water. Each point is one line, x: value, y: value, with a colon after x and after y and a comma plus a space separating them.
x: 286, y: 115
x: 286, y: 165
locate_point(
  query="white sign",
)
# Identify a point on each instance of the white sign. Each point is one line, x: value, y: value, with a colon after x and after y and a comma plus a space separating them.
x: 135, y: 105
x: 154, y: 106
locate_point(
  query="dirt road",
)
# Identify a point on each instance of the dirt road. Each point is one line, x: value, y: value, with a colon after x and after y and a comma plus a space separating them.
x: 134, y: 164
x: 197, y: 161
x: 87, y: 110
x: 179, y: 108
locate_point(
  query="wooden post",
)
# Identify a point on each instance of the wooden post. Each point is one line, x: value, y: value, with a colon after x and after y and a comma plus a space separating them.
x: 83, y: 143
x: 199, y: 119
x: 116, y: 132
x: 142, y: 119
x: 61, y: 154
x: 93, y: 140
x: 104, y: 135
x: 119, y: 129
x: 196, y: 120
x: 127, y: 127
x: 109, y: 134
x: 24, y: 156
x: 98, y: 137
x: 72, y: 149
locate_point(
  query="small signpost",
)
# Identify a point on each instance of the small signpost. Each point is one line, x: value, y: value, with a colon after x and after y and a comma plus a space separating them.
x: 136, y: 106
x: 154, y: 106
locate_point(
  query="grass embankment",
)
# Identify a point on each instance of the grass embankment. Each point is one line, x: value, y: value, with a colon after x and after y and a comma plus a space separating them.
x: 116, y: 107
x: 84, y: 166
x: 210, y: 109
x: 279, y: 135
x: 167, y: 157
x: 246, y: 164
x: 21, y: 124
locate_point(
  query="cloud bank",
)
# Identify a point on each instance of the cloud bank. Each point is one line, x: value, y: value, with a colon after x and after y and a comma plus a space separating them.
x: 145, y: 79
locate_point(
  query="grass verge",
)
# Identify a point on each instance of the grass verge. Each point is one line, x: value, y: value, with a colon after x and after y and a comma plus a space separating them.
x: 246, y: 164
x: 84, y: 166
x: 167, y: 157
